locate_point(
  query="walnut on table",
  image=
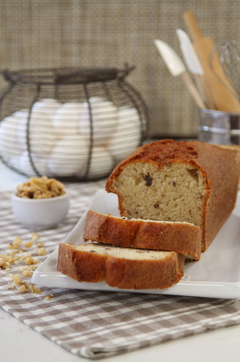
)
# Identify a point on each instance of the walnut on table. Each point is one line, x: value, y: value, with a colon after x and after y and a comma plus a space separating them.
x: 16, y: 256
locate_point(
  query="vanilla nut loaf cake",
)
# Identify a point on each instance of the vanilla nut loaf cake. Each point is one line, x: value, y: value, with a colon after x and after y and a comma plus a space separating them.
x: 180, y: 237
x: 187, y: 181
x: 120, y: 267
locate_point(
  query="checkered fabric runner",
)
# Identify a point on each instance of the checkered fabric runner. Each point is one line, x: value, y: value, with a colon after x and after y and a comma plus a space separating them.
x: 100, y: 324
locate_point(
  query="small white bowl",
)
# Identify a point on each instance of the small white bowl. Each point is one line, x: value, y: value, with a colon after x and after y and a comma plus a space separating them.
x: 41, y: 214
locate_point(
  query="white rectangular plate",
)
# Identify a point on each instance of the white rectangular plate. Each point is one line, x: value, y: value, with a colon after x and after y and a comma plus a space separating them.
x: 216, y: 275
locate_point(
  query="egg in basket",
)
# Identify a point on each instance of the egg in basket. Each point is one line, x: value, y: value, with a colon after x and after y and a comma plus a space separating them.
x: 73, y: 124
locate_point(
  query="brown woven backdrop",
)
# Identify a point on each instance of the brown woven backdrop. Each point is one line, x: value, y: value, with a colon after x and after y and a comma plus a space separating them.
x: 54, y: 33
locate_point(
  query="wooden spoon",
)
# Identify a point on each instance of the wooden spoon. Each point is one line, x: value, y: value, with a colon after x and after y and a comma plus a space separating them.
x: 223, y: 99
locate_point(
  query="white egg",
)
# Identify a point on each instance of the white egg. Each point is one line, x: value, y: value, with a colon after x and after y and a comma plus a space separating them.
x: 41, y: 133
x: 21, y: 113
x: 104, y: 119
x: 46, y: 105
x: 101, y: 163
x: 127, y: 136
x: 23, y: 164
x: 66, y: 118
x: 9, y: 145
x: 69, y: 156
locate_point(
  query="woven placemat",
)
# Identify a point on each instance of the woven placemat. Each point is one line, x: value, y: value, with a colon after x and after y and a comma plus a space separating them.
x: 97, y: 324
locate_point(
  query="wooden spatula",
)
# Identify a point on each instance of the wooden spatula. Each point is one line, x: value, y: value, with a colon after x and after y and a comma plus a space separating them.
x: 223, y: 99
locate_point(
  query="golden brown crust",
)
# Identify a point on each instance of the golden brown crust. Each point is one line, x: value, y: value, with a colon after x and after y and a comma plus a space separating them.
x: 219, y: 165
x: 215, y: 161
x: 182, y: 238
x: 220, y: 205
x: 81, y: 266
x: 122, y: 273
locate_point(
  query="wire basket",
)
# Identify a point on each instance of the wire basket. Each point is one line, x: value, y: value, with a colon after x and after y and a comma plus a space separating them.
x: 75, y: 124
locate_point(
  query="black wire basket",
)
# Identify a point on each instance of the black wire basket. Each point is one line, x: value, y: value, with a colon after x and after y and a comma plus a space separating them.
x: 75, y: 124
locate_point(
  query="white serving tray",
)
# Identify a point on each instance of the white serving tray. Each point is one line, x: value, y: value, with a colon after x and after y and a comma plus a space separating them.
x: 216, y: 275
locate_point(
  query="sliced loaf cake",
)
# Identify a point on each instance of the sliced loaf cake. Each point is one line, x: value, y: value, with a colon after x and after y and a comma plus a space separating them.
x: 123, y: 268
x: 180, y: 237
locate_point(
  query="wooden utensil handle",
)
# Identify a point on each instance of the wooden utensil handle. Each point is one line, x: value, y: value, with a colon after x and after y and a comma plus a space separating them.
x: 192, y: 89
x: 192, y: 25
x: 204, y: 91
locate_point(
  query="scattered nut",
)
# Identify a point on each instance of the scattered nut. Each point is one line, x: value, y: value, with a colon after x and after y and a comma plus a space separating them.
x: 28, y: 244
x: 27, y: 273
x: 5, y: 260
x: 49, y: 297
x: 41, y: 251
x: 35, y: 236
x: 17, y: 241
x: 16, y: 279
x: 22, y: 289
x: 3, y: 264
x: 35, y: 289
x: 31, y: 260
x: 40, y: 245
x: 25, y: 257
x: 16, y: 256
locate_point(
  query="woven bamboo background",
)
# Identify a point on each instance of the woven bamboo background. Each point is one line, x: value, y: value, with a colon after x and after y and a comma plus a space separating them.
x: 56, y: 33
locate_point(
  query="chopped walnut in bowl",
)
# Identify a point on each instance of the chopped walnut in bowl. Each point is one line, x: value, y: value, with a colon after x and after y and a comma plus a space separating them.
x: 40, y: 188
x: 40, y: 203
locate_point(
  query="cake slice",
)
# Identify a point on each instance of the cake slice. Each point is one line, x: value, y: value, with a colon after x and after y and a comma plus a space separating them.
x: 123, y: 268
x: 180, y: 237
x: 191, y: 182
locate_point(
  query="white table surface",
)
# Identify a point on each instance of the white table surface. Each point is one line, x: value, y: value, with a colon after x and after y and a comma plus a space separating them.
x: 18, y: 342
